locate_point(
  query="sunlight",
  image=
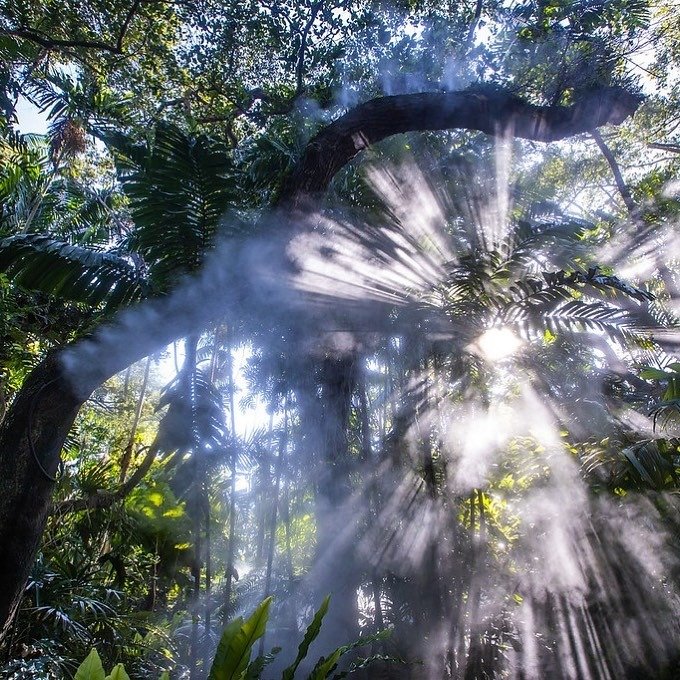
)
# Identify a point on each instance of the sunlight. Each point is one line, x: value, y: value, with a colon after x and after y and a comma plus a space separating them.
x: 425, y: 291
x: 497, y: 344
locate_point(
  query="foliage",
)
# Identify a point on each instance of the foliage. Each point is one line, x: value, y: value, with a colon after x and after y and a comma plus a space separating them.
x: 232, y: 658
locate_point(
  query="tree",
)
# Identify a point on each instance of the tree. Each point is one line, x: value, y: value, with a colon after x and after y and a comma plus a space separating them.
x: 41, y: 417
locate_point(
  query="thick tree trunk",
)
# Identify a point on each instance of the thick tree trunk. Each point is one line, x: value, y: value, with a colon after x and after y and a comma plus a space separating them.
x: 40, y: 417
x: 33, y: 433
x: 30, y: 442
x: 336, y: 570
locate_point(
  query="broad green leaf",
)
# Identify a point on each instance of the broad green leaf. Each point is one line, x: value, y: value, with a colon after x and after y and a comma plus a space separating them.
x: 228, y: 634
x: 118, y: 673
x: 233, y: 651
x: 164, y: 676
x: 325, y: 667
x: 673, y: 389
x: 310, y: 635
x: 653, y: 374
x: 91, y: 668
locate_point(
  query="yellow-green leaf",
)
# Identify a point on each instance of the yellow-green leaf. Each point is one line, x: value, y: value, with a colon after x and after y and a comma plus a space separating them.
x: 233, y: 652
x: 118, y: 673
x: 91, y: 668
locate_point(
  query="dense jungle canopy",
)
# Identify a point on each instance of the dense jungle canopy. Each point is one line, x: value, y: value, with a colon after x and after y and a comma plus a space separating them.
x: 369, y: 300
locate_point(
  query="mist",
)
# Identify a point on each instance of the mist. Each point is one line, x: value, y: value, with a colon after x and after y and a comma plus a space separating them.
x: 468, y: 488
x: 438, y: 381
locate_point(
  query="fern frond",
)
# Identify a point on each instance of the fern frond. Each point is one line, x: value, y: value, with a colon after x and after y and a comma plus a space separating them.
x: 598, y: 316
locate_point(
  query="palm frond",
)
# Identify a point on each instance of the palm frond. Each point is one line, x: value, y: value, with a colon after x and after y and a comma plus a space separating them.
x: 595, y: 316
x: 41, y: 263
x: 192, y: 414
x: 595, y: 279
x: 23, y: 157
x: 655, y: 462
x: 559, y: 242
x: 179, y: 188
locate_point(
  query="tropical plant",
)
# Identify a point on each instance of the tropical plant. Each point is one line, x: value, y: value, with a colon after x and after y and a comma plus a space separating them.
x: 232, y: 658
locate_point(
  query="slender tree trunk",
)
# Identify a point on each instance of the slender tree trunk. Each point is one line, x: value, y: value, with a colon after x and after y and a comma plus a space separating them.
x: 283, y: 443
x: 127, y: 454
x: 208, y: 585
x: 292, y: 608
x: 214, y: 362
x: 231, y: 556
x: 367, y: 463
x: 264, y: 494
x: 197, y: 491
x: 616, y: 171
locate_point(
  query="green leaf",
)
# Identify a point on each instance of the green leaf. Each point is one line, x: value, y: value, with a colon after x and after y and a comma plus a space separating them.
x: 118, y: 673
x: 233, y: 652
x: 325, y: 666
x: 40, y: 263
x: 178, y: 191
x: 629, y: 453
x: 91, y: 668
x: 254, y: 670
x: 364, y: 663
x: 310, y: 635
x: 653, y: 374
x: 164, y: 676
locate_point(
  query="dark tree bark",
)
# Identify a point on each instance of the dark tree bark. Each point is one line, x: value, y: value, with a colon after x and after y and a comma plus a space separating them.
x: 32, y: 435
x: 325, y: 403
x: 30, y: 443
x: 495, y: 113
x: 616, y: 171
x: 42, y: 413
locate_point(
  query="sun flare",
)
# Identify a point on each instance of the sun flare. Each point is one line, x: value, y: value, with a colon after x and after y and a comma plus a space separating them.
x: 497, y: 344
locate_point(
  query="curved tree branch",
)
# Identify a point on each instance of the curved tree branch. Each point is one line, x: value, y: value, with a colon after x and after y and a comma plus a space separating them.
x: 495, y: 113
x: 300, y: 59
x: 673, y: 148
x: 616, y: 171
x: 44, y: 40
x: 105, y: 499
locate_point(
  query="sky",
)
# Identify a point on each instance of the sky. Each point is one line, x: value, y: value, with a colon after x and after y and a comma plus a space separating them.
x: 29, y: 117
